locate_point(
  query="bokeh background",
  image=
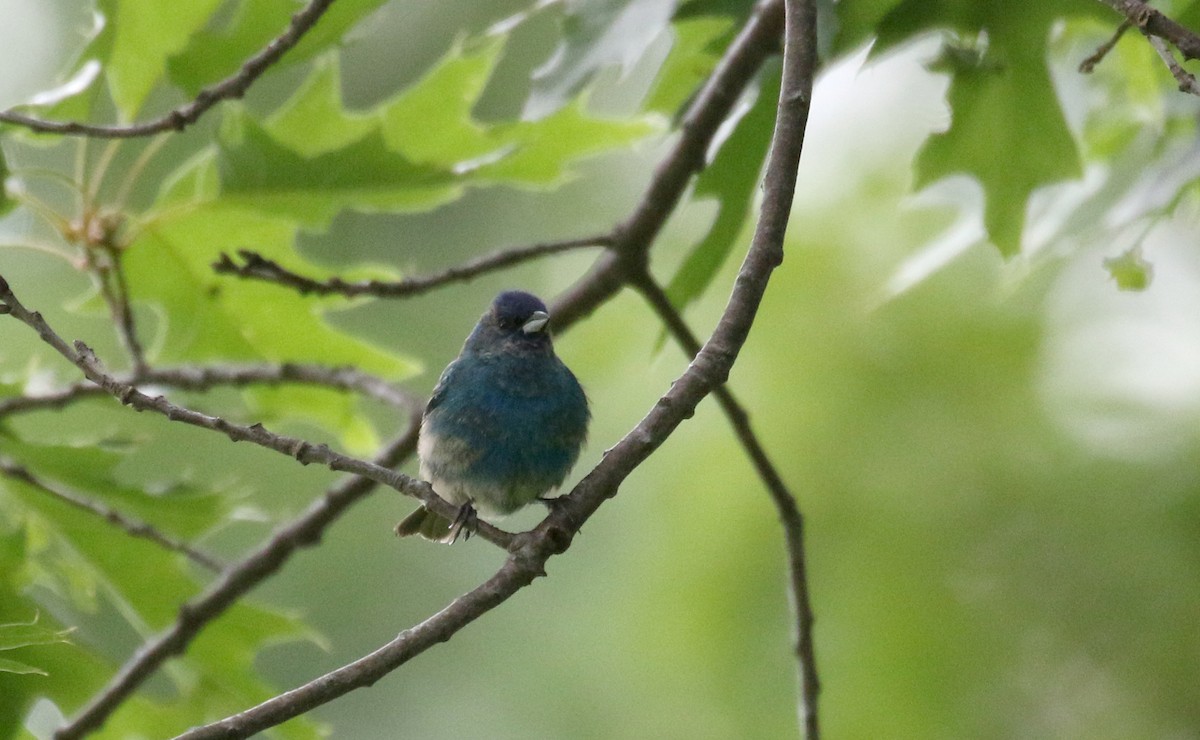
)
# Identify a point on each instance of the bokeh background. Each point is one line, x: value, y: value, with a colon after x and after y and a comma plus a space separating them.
x: 998, y: 459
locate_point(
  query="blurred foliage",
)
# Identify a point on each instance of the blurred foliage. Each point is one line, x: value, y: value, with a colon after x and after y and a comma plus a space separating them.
x: 995, y: 442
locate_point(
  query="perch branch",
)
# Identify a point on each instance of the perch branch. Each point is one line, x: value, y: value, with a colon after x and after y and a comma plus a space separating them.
x: 177, y: 119
x: 530, y: 551
x: 191, y: 378
x: 304, y: 452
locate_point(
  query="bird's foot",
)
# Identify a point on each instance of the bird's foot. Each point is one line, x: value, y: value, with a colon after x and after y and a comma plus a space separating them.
x: 466, y: 522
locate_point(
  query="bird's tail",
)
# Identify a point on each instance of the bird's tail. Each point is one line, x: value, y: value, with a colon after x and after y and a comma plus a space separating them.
x: 429, y: 525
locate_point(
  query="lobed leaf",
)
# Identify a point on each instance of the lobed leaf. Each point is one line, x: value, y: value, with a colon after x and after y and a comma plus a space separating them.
x: 144, y: 34
x: 213, y: 54
x: 732, y: 180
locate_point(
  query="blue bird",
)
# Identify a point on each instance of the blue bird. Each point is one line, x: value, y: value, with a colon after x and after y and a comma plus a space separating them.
x: 505, y: 423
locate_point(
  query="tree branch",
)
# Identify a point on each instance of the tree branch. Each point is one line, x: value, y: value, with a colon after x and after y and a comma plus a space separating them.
x: 630, y: 241
x: 1087, y: 66
x: 528, y: 551
x: 255, y: 266
x: 790, y: 517
x: 115, y: 291
x: 177, y: 119
x: 531, y: 550
x: 1153, y: 22
x: 757, y: 42
x: 1187, y: 83
x: 191, y: 378
x: 234, y: 583
x: 303, y: 451
x: 131, y: 526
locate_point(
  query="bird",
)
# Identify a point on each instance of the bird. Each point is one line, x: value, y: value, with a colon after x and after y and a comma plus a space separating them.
x: 505, y: 424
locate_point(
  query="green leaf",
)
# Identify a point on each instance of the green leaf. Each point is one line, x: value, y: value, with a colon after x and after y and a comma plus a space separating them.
x: 259, y: 172
x: 731, y: 179
x: 214, y: 54
x: 596, y: 34
x: 1010, y: 107
x: 542, y: 150
x: 860, y: 20
x: 143, y: 585
x: 1130, y: 270
x: 314, y: 121
x: 326, y: 408
x: 12, y: 666
x: 209, y: 317
x: 145, y: 33
x: 178, y: 509
x: 24, y: 634
x: 414, y: 152
x: 693, y: 55
x: 6, y: 203
x: 1002, y: 98
x: 432, y: 123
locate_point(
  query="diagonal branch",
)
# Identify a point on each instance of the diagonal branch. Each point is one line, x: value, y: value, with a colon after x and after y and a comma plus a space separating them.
x: 193, y: 378
x: 1187, y: 82
x: 531, y: 550
x: 235, y: 582
x: 790, y: 517
x: 1153, y: 22
x: 755, y: 43
x: 131, y: 526
x: 303, y: 451
x: 255, y: 266
x: 177, y: 119
x: 1087, y: 66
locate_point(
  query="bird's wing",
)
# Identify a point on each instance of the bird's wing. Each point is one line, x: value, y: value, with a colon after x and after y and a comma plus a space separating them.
x: 439, y: 390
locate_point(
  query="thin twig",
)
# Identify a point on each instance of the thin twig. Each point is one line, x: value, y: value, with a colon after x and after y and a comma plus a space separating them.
x: 115, y: 290
x: 254, y: 266
x: 303, y: 451
x: 1153, y: 22
x: 1087, y: 66
x: 304, y: 531
x: 193, y: 378
x: 1187, y: 83
x: 755, y: 43
x: 131, y: 526
x: 790, y: 517
x: 531, y: 550
x: 177, y: 119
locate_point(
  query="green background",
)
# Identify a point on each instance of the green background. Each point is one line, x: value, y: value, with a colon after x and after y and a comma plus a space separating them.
x: 997, y: 458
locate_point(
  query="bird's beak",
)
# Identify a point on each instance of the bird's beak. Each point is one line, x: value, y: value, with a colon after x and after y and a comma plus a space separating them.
x: 536, y: 322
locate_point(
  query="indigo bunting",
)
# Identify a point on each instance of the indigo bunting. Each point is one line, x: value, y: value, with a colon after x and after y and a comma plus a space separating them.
x: 505, y: 423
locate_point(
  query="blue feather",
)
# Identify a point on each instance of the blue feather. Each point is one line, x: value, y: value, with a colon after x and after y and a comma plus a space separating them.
x: 507, y: 419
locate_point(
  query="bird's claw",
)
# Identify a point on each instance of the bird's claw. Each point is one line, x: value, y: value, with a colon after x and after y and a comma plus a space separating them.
x: 466, y: 522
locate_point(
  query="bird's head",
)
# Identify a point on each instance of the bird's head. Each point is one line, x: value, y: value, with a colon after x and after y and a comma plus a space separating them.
x: 515, y: 321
